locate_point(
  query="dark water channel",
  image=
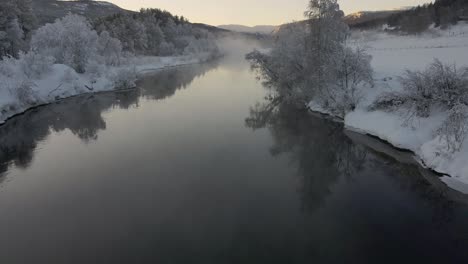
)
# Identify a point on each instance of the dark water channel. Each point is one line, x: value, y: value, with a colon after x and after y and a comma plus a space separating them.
x: 184, y: 170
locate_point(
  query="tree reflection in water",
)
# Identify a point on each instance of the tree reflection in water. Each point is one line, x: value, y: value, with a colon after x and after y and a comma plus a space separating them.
x: 82, y: 115
x: 318, y: 147
x: 164, y: 84
x: 335, y: 168
x: 324, y: 154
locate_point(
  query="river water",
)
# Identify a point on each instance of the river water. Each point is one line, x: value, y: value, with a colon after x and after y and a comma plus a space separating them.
x: 194, y: 167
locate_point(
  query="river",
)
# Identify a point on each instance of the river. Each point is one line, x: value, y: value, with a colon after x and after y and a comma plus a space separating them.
x: 191, y: 167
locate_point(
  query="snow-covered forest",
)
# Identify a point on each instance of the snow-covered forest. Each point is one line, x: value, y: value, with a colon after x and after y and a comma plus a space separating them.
x: 42, y: 63
x: 411, y: 91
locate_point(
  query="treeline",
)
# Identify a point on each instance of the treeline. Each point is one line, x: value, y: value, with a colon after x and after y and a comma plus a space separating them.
x: 156, y: 32
x: 149, y: 32
x: 441, y: 13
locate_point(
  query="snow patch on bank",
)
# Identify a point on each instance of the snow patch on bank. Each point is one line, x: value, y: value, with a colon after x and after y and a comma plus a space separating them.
x: 392, y: 128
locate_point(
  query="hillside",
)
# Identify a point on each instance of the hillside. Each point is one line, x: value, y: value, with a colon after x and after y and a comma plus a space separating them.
x: 264, y: 29
x: 363, y: 19
x: 412, y: 20
x: 440, y: 13
x: 368, y: 17
x: 49, y: 10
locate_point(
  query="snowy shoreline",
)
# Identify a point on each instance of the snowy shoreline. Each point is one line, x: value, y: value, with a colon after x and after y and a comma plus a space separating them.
x: 382, y: 139
x: 446, y: 178
x: 392, y: 54
x: 81, y: 84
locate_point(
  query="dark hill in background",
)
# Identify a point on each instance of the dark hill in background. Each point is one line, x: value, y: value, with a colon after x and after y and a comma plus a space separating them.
x: 361, y: 19
x: 441, y: 13
x: 48, y: 11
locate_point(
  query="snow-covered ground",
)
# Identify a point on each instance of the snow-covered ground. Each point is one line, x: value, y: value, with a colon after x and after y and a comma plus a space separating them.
x: 391, y: 56
x: 61, y: 81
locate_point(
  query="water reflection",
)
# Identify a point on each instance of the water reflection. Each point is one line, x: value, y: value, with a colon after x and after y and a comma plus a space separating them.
x: 318, y: 147
x: 323, y: 152
x: 380, y: 187
x: 412, y: 178
x: 82, y: 115
x: 197, y: 186
x: 164, y: 84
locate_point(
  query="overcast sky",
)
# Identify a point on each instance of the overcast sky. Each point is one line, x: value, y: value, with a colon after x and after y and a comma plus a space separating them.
x: 253, y: 12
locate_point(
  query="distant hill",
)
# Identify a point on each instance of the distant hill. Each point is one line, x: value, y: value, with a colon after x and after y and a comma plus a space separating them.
x: 212, y: 29
x: 440, y: 13
x: 412, y: 20
x: 264, y: 29
x: 362, y: 19
x: 49, y: 10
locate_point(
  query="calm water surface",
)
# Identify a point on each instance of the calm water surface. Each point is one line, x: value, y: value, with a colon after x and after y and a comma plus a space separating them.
x: 193, y: 167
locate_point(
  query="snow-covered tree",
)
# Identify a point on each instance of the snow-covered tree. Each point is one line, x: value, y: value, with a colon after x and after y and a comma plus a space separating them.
x: 73, y: 42
x: 166, y: 49
x: 170, y: 30
x: 131, y: 33
x: 327, y: 33
x: 110, y: 49
x: 69, y: 40
x: 15, y: 36
x: 155, y: 35
x: 311, y: 61
x: 352, y: 73
x: 17, y: 21
x: 284, y: 68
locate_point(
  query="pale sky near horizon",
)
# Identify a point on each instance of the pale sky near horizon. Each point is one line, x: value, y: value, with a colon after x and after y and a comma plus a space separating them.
x: 254, y: 12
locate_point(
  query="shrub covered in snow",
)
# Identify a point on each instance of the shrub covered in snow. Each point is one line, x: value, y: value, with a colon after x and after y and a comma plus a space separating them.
x: 125, y: 78
x: 17, y: 78
x: 439, y: 87
x: 24, y: 93
x: 34, y: 65
x: 454, y: 130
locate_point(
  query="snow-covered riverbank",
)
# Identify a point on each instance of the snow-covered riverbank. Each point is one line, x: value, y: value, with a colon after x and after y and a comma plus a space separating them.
x: 62, y: 81
x: 391, y: 56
